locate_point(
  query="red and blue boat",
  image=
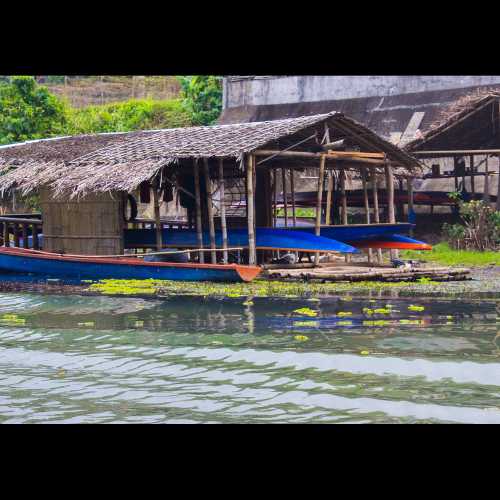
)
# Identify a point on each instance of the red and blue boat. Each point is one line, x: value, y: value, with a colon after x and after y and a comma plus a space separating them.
x: 51, y: 265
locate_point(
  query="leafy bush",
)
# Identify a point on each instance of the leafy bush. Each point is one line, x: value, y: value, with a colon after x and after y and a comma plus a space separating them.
x: 28, y: 111
x: 480, y: 229
x: 135, y: 114
x: 202, y: 97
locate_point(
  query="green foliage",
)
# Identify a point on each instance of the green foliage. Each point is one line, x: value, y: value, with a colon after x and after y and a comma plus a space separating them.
x: 55, y: 79
x: 202, y: 97
x: 480, y: 229
x: 28, y: 111
x: 135, y: 114
x: 443, y: 254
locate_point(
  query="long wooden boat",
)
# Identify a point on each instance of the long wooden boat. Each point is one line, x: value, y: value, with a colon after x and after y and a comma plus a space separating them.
x: 266, y: 239
x: 392, y: 242
x: 51, y: 265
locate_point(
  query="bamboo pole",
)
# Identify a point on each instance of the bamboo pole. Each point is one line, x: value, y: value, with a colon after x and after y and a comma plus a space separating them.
x: 275, y: 196
x: 6, y: 238
x: 498, y: 185
x: 472, y: 180
x: 223, y: 223
x: 376, y: 211
x: 156, y: 204
x: 210, y: 210
x: 317, y: 229
x: 367, y: 206
x: 199, y: 229
x: 389, y: 181
x: 252, y: 254
x: 285, y: 200
x: 292, y: 191
x: 343, y: 199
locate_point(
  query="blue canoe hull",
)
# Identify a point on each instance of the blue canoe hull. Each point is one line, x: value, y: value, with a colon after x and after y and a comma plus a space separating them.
x: 357, y: 232
x: 79, y: 267
x: 266, y: 239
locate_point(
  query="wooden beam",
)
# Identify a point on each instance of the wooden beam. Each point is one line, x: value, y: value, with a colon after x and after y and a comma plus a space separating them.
x: 252, y: 254
x: 455, y: 152
x: 210, y: 210
x: 333, y: 155
x: 223, y: 223
x: 199, y: 228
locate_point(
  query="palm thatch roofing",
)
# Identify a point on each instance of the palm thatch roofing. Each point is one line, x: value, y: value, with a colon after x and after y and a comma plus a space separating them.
x: 109, y: 162
x: 471, y: 122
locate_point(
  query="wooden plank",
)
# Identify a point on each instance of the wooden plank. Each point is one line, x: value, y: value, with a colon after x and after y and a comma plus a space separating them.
x: 199, y: 228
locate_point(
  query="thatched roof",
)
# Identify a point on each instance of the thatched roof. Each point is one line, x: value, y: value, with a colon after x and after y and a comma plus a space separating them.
x: 456, y: 114
x: 125, y: 160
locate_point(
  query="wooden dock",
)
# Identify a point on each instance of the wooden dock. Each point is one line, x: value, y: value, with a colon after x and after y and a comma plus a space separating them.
x: 338, y: 272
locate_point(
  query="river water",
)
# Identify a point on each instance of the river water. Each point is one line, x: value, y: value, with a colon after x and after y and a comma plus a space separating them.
x: 82, y: 359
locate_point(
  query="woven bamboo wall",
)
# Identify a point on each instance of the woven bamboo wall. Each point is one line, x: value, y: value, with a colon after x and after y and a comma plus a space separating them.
x: 89, y: 226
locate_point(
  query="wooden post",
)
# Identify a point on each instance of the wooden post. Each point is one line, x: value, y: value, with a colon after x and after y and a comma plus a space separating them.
x: 498, y: 185
x: 486, y: 193
x: 252, y: 254
x: 292, y: 191
x: 319, y: 200
x: 156, y: 204
x: 34, y: 232
x: 275, y: 197
x: 223, y: 224
x: 376, y: 211
x: 329, y: 197
x: 210, y: 210
x: 343, y: 197
x: 389, y: 181
x: 285, y: 201
x: 472, y: 178
x: 16, y: 234
x: 24, y: 229
x: 367, y: 205
x: 409, y: 188
x: 6, y: 239
x: 199, y: 229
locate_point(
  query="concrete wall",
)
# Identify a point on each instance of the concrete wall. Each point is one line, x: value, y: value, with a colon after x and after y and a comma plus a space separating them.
x: 259, y: 90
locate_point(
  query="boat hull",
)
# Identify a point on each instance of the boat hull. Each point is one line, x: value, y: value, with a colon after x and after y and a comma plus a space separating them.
x: 392, y: 242
x: 81, y: 267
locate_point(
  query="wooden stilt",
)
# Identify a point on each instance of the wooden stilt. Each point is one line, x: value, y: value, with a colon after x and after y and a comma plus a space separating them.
x: 210, y: 210
x: 275, y: 196
x: 376, y: 211
x: 486, y: 193
x: 285, y: 197
x: 343, y: 200
x: 409, y: 188
x: 156, y: 204
x: 329, y: 197
x: 498, y: 185
x: 389, y: 181
x: 252, y: 254
x: 292, y: 191
x: 319, y: 200
x: 367, y: 205
x: 199, y: 228
x: 472, y: 178
x: 223, y: 224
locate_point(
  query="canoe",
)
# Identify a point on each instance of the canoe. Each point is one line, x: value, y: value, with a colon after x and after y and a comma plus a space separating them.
x: 82, y: 267
x: 393, y: 242
x: 266, y: 239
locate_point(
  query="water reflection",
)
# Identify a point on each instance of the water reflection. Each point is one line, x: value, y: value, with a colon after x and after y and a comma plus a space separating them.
x: 103, y: 359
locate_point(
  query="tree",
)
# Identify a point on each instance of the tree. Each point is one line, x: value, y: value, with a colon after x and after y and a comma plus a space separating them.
x: 29, y: 111
x: 202, y: 97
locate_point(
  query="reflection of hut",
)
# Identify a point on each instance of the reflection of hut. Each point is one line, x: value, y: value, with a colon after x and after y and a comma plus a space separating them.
x: 224, y: 176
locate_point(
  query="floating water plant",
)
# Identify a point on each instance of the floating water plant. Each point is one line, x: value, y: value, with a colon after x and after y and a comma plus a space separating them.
x: 87, y: 324
x: 344, y: 323
x: 382, y: 311
x: 342, y: 314
x: 302, y: 338
x: 306, y: 311
x: 306, y: 324
x: 415, y: 308
x: 365, y: 353
x: 12, y: 319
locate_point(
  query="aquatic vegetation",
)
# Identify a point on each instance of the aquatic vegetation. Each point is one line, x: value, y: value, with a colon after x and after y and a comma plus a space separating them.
x: 248, y: 303
x: 415, y: 308
x: 306, y: 311
x: 410, y: 321
x: 341, y: 314
x: 301, y: 337
x: 87, y: 323
x: 377, y: 322
x: 11, y: 319
x: 345, y: 323
x: 364, y: 353
x: 382, y: 310
x: 307, y: 324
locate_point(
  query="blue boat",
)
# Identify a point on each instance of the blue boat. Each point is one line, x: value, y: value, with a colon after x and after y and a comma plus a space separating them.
x: 52, y: 265
x: 356, y: 232
x: 266, y: 239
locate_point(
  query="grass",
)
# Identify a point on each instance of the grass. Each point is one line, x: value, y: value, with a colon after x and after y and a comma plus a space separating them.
x: 443, y: 254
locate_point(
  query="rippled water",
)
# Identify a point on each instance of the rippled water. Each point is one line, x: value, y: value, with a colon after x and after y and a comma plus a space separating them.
x: 102, y: 359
